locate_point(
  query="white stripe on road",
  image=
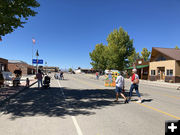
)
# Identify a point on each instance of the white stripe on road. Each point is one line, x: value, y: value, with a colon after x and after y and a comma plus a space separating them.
x: 78, y: 129
x: 76, y: 125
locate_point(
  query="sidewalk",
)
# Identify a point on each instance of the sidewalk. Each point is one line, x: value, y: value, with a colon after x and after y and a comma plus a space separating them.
x: 147, y: 82
x: 7, y: 92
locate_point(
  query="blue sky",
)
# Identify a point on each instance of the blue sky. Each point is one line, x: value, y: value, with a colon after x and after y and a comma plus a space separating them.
x: 67, y: 30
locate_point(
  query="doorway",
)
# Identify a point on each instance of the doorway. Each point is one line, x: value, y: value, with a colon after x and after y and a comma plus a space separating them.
x: 161, y: 73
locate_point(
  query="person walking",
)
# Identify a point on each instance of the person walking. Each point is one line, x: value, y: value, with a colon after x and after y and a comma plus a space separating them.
x: 39, y: 77
x: 134, y: 85
x: 27, y: 82
x: 97, y: 75
x: 60, y: 72
x: 61, y: 75
x: 120, y: 87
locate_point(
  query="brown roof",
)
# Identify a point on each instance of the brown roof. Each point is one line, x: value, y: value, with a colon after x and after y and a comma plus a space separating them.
x: 170, y: 52
x: 3, y: 60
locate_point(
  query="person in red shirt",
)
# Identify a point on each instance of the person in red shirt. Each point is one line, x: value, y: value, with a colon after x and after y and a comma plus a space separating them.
x: 134, y: 85
x: 97, y: 75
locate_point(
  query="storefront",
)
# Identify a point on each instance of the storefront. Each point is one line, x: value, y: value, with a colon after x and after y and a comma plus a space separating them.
x: 165, y: 65
x: 20, y: 65
x: 142, y: 69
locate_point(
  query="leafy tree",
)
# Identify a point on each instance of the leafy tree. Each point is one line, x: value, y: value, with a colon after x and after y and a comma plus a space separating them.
x: 13, y: 14
x: 133, y: 58
x: 176, y: 47
x: 98, y: 57
x: 120, y: 47
x: 70, y: 70
x: 145, y: 54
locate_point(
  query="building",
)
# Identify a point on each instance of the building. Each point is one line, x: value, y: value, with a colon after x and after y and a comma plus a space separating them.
x: 20, y: 65
x: 81, y: 70
x: 142, y: 69
x: 3, y: 64
x: 50, y: 69
x: 165, y: 65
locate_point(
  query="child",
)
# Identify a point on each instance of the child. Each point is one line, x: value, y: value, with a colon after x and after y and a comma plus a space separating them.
x: 27, y: 82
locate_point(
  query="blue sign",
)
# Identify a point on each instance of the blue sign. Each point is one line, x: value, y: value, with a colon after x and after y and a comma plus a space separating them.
x: 36, y: 61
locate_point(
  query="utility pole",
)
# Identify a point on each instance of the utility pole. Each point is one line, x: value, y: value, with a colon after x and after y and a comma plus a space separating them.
x: 46, y: 67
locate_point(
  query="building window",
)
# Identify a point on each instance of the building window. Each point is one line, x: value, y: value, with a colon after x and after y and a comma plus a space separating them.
x: 169, y: 72
x: 161, y: 58
x: 153, y: 72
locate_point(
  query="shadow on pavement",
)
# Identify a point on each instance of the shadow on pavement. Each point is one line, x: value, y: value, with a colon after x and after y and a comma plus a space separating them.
x: 146, y: 100
x: 50, y: 102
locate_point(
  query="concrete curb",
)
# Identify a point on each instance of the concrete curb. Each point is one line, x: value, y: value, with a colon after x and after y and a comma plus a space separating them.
x: 14, y: 95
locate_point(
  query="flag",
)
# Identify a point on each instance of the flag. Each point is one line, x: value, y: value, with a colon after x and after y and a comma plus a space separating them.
x: 37, y: 54
x: 33, y: 40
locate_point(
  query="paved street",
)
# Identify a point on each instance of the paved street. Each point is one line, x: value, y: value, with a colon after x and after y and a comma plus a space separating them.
x: 82, y: 106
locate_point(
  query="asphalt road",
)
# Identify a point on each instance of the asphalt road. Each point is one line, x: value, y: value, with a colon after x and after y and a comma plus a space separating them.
x: 82, y: 106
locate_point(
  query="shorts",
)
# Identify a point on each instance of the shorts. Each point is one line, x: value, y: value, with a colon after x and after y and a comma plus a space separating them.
x: 118, y: 90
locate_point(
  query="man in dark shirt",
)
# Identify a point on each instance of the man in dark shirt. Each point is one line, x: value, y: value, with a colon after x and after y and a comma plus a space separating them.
x: 39, y: 77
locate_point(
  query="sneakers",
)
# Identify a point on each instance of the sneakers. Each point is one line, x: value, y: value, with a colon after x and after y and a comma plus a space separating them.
x: 126, y: 101
x: 139, y: 101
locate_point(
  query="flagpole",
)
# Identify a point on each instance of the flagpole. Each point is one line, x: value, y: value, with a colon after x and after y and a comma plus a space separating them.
x: 37, y: 65
x: 33, y: 41
x: 32, y: 58
x: 37, y: 54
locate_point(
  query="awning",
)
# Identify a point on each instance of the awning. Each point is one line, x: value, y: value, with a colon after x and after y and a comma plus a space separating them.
x: 138, y: 67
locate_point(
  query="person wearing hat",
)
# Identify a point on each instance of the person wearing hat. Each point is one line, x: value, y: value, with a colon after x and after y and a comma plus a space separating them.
x: 120, y: 88
x: 134, y: 85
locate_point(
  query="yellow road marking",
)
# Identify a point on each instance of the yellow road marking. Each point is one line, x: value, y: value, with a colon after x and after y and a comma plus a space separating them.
x: 172, y: 96
x: 166, y: 95
x: 158, y: 110
x: 170, y: 115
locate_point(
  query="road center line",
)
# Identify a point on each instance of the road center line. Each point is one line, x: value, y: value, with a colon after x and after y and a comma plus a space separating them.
x: 78, y: 129
x: 147, y: 106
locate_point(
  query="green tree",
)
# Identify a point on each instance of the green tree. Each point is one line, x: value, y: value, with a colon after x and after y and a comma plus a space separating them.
x: 133, y: 58
x: 98, y: 57
x: 70, y: 70
x: 176, y: 47
x: 145, y: 54
x: 120, y: 47
x: 14, y: 13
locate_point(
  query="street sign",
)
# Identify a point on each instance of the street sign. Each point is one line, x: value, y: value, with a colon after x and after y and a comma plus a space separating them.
x: 36, y: 61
